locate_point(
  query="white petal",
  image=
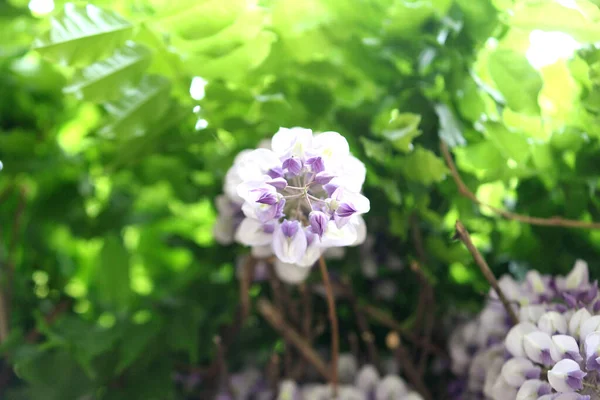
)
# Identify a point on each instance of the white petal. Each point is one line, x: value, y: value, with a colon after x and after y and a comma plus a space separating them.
x: 578, y: 277
x: 289, y: 250
x: 335, y: 237
x: 361, y: 229
x: 251, y: 233
x: 256, y: 164
x: 534, y: 343
x: 331, y: 147
x: 223, y: 230
x: 262, y: 251
x: 350, y: 174
x: 390, y: 386
x: 515, y: 337
x: 514, y: 370
x: 590, y: 325
x: 367, y: 378
x: 557, y: 375
x: 312, y: 254
x: 577, y: 320
x: 291, y: 273
x: 562, y: 345
x: 552, y: 322
x: 288, y: 141
x: 529, y: 390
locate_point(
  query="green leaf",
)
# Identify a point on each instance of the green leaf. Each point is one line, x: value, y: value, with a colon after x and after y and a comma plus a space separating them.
x: 135, y: 340
x: 513, y: 145
x: 54, y: 375
x: 450, y: 130
x: 423, y: 166
x: 112, y: 273
x: 377, y: 151
x: 235, y: 65
x: 104, y: 79
x: 580, y: 21
x: 82, y: 34
x: 400, y: 129
x: 198, y: 19
x: 139, y: 108
x: 516, y: 79
x: 246, y: 26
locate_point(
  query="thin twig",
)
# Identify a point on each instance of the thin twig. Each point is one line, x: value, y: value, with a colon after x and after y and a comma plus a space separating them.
x: 222, y: 362
x: 335, y: 335
x: 354, y: 346
x: 273, y: 374
x: 363, y: 325
x: 463, y: 235
x: 552, y: 221
x: 408, y: 367
x: 276, y: 320
x: 429, y: 296
x: 281, y: 303
x: 306, y: 327
x: 247, y: 275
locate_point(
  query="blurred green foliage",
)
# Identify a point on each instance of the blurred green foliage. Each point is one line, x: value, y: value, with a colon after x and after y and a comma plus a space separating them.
x: 112, y: 163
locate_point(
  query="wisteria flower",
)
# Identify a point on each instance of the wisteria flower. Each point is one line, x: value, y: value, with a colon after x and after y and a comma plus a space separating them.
x: 297, y: 198
x: 553, y: 353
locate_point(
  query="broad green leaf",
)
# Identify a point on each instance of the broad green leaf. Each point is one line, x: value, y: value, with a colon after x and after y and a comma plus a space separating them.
x: 139, y: 108
x: 512, y: 144
x: 579, y: 20
x: 400, y: 129
x: 82, y: 34
x: 112, y: 273
x: 199, y: 19
x: 245, y: 27
x: 104, y: 79
x: 516, y: 79
x: 377, y: 151
x: 135, y: 341
x: 54, y: 375
x: 450, y: 130
x: 423, y: 166
x: 235, y: 65
x: 560, y: 95
x: 397, y: 23
x: 531, y: 125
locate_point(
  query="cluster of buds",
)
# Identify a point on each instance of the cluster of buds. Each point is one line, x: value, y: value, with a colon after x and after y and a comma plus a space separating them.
x: 294, y: 200
x: 552, y: 353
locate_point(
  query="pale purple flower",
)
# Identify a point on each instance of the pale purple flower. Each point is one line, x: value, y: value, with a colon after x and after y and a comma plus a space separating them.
x: 309, y: 180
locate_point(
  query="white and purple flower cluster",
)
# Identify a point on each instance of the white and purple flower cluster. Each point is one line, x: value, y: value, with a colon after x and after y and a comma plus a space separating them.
x: 363, y: 384
x: 553, y: 353
x: 295, y: 199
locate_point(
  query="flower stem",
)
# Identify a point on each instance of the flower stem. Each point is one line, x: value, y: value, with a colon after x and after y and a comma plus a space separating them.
x: 335, y: 345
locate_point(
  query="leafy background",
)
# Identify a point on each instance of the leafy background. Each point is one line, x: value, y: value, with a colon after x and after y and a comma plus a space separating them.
x: 119, y: 120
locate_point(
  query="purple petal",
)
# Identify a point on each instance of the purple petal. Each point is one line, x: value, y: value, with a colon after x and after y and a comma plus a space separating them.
x: 278, y: 183
x: 316, y: 164
x: 323, y: 178
x: 570, y: 300
x: 318, y: 222
x: 289, y: 228
x: 293, y: 165
x: 267, y: 198
x: 575, y: 378
x: 533, y: 373
x: 276, y: 172
x: 330, y: 189
x: 345, y: 210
